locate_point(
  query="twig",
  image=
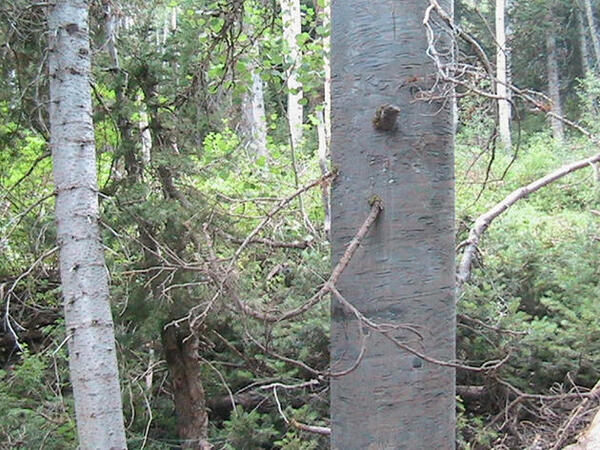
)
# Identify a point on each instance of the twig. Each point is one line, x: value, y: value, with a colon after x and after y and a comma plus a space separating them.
x: 327, y: 177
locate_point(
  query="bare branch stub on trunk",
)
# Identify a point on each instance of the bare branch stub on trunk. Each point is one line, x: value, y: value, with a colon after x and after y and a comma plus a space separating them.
x: 403, y: 272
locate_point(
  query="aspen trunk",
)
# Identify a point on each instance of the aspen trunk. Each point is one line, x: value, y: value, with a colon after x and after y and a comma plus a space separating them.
x: 292, y: 27
x: 92, y: 353
x: 501, y: 76
x: 403, y: 271
x: 253, y: 109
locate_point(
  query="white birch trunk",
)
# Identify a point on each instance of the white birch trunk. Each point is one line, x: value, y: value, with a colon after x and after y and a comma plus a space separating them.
x: 92, y: 354
x: 254, y: 122
x: 292, y: 27
x: 501, y: 75
x: 554, y: 85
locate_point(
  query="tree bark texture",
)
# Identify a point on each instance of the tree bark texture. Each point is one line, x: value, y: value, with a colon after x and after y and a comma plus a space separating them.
x: 583, y: 46
x: 254, y: 119
x: 589, y: 13
x: 292, y: 27
x: 554, y: 84
x: 92, y: 354
x: 502, y: 76
x: 253, y: 115
x: 403, y: 273
x: 185, y: 369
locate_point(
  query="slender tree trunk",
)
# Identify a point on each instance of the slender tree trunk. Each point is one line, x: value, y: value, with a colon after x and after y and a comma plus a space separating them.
x: 403, y: 272
x: 110, y: 29
x: 185, y: 369
x: 327, y: 67
x: 324, y: 116
x: 253, y: 107
x: 589, y: 13
x: 92, y: 353
x: 254, y: 118
x: 324, y: 166
x: 292, y: 27
x: 583, y: 46
x: 554, y: 84
x: 501, y: 75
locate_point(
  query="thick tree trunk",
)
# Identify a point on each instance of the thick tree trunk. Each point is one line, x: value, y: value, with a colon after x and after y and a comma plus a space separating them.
x: 403, y: 272
x: 502, y: 76
x: 292, y: 27
x: 185, y: 369
x: 554, y: 84
x: 92, y: 353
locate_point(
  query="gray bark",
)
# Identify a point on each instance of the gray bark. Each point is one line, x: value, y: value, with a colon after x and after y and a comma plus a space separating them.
x: 92, y: 354
x: 554, y: 84
x: 593, y: 32
x: 110, y: 29
x: 403, y: 272
x: 583, y: 46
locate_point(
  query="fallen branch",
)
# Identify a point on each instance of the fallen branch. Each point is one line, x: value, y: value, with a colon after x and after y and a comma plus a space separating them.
x: 590, y: 438
x: 325, y: 431
x: 483, y: 222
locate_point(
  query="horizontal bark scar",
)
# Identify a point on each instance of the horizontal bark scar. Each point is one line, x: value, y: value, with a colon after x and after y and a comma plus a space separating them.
x: 72, y: 28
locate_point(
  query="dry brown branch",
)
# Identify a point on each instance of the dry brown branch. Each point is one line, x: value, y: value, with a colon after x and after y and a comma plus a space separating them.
x: 590, y: 438
x: 325, y: 431
x: 386, y: 330
x: 376, y: 208
x: 546, y: 408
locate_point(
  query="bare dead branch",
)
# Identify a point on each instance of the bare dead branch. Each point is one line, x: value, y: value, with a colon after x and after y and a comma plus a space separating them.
x: 282, y: 204
x: 484, y: 221
x: 325, y: 431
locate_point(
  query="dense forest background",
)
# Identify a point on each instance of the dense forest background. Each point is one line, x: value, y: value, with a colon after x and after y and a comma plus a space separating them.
x: 215, y: 222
